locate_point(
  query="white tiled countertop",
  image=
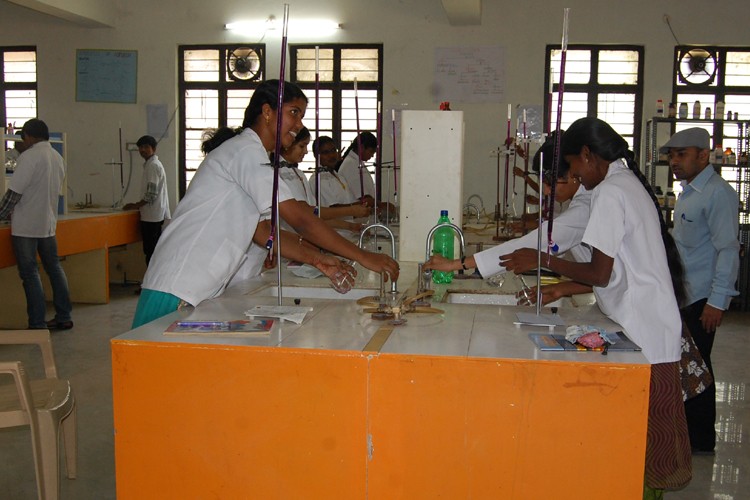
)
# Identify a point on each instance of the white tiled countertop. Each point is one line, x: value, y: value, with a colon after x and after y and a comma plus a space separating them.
x: 464, y: 330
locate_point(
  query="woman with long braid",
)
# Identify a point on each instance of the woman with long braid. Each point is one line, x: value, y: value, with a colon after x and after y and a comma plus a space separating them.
x: 635, y: 273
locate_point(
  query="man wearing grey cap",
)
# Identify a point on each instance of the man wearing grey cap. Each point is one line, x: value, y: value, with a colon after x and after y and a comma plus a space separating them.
x: 705, y: 230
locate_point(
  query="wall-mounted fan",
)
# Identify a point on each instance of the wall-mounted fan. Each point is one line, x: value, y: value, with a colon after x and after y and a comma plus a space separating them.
x: 243, y: 63
x: 697, y: 66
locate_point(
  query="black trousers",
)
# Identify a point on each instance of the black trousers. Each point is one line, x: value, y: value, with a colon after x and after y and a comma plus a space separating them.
x: 150, y: 232
x: 701, y: 410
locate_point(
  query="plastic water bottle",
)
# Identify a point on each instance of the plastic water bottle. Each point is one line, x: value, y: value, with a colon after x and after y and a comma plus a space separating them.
x: 442, y: 243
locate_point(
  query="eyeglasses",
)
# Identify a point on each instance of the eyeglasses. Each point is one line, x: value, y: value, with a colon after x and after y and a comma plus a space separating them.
x: 547, y: 179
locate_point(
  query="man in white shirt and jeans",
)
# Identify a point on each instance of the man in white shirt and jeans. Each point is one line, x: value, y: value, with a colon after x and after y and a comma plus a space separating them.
x: 32, y: 199
x: 154, y: 204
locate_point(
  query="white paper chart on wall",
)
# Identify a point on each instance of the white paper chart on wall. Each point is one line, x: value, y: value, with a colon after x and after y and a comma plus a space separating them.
x: 469, y: 74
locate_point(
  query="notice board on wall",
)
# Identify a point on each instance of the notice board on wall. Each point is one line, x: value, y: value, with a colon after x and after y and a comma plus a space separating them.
x: 106, y: 75
x: 469, y: 74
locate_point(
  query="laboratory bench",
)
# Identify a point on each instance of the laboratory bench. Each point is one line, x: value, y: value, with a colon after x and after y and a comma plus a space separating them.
x: 84, y: 242
x: 459, y: 404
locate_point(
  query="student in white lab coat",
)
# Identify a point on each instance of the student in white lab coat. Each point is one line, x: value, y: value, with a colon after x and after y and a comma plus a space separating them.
x: 216, y: 221
x: 304, y: 191
x: 636, y: 276
x: 568, y: 226
x: 360, y: 186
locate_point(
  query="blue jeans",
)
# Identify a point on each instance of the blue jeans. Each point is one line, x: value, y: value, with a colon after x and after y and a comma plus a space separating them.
x: 25, y: 250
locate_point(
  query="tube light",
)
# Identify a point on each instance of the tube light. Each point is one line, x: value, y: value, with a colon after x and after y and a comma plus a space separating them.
x: 297, y: 27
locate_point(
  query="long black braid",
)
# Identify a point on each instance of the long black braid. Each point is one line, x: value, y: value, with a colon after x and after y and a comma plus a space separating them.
x: 602, y: 140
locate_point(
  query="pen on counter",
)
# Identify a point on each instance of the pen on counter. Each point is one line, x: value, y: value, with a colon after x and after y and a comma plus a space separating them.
x: 203, y: 324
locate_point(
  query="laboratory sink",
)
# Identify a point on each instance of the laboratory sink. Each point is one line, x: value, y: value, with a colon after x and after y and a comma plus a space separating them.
x: 315, y: 292
x: 497, y: 299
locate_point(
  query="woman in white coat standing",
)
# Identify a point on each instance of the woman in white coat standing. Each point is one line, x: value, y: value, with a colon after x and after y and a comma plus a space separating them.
x: 215, y: 223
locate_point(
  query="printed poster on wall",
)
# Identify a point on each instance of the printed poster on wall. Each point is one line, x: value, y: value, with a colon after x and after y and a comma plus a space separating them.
x: 469, y: 74
x: 106, y: 75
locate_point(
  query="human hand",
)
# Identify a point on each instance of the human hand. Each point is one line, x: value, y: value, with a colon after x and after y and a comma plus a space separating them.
x: 270, y: 261
x: 520, y: 261
x: 361, y: 211
x: 380, y: 263
x: 340, y: 273
x: 130, y: 206
x: 711, y: 318
x: 550, y: 293
x: 355, y: 227
x: 439, y: 263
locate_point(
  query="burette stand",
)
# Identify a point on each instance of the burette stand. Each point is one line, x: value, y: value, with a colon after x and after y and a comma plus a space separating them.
x: 502, y: 211
x: 538, y: 319
x: 116, y: 201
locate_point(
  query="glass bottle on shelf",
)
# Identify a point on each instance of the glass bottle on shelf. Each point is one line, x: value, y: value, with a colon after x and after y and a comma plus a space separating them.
x: 683, y: 110
x: 718, y: 156
x: 707, y: 114
x: 696, y: 110
x: 672, y: 110
x: 719, y: 114
x: 729, y: 157
x: 659, y: 107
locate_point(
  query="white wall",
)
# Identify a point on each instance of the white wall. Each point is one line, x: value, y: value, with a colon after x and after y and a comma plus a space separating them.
x: 410, y: 30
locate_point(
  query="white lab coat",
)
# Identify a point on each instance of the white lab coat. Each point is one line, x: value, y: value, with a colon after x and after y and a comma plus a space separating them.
x: 333, y: 189
x: 39, y: 173
x: 157, y: 210
x: 349, y: 171
x: 567, y: 232
x: 213, y: 225
x: 624, y: 225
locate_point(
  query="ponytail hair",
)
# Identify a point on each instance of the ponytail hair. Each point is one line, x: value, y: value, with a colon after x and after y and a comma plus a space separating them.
x: 215, y: 137
x: 368, y: 141
x: 603, y: 141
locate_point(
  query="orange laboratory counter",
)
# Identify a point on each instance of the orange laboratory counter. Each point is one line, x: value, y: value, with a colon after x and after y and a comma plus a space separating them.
x: 83, y: 243
x: 453, y: 405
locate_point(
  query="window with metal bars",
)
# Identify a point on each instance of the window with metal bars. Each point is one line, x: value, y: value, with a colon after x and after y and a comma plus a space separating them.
x: 338, y: 66
x: 215, y: 86
x: 711, y: 74
x: 703, y: 77
x: 605, y: 81
x: 18, y: 87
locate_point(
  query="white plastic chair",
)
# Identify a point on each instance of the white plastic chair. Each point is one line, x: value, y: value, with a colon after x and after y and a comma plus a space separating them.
x: 46, y: 405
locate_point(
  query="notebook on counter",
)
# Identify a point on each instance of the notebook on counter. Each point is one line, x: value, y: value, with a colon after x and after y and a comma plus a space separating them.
x: 557, y: 342
x: 210, y: 328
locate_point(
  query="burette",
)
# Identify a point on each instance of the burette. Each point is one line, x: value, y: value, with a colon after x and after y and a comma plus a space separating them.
x: 556, y: 155
x: 275, y: 232
x: 317, y: 130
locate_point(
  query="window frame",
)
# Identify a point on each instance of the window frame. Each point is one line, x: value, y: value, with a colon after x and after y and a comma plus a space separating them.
x: 223, y: 85
x: 5, y: 86
x: 337, y: 87
x: 593, y: 89
x: 718, y: 91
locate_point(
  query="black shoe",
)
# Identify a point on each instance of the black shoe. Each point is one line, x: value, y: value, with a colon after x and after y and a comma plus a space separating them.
x: 53, y: 324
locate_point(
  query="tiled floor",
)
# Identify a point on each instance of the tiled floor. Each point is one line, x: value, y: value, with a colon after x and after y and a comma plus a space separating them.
x: 83, y: 356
